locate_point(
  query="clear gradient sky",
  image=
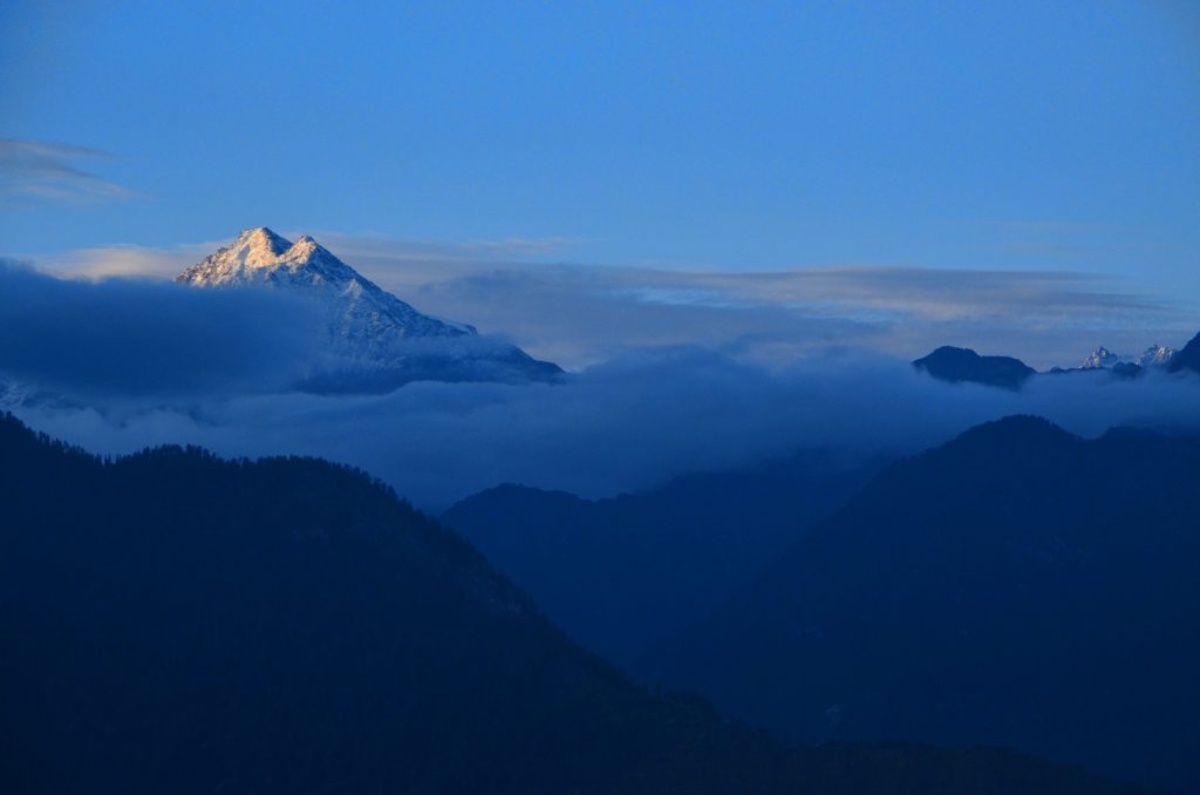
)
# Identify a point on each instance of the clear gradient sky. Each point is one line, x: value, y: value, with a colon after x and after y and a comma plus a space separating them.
x: 1012, y: 136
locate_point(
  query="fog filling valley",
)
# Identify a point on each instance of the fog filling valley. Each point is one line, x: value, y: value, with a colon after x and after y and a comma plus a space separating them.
x: 119, y: 365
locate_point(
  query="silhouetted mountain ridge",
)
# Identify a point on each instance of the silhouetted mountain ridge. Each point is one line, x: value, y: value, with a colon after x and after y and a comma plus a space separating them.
x: 623, y: 573
x: 958, y: 365
x: 173, y: 622
x: 1188, y: 358
x: 948, y: 363
x: 1018, y: 586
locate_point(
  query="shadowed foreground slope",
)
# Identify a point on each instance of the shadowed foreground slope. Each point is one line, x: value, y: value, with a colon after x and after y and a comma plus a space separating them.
x: 1018, y: 586
x: 176, y: 623
x: 623, y: 574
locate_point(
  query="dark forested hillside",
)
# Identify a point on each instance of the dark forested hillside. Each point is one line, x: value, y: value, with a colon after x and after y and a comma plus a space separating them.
x: 176, y: 623
x: 1018, y: 587
x: 624, y: 573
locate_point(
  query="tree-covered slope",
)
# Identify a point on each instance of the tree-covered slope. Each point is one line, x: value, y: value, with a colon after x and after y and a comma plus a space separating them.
x: 1018, y: 587
x: 176, y: 623
x: 624, y: 573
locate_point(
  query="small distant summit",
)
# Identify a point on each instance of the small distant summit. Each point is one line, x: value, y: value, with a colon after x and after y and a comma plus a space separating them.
x: 1012, y: 433
x: 1123, y: 366
x: 957, y: 365
x: 371, y: 340
x: 1154, y: 356
x: 1099, y: 358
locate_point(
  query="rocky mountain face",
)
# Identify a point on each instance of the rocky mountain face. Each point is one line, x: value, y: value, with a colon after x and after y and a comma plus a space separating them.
x: 371, y: 340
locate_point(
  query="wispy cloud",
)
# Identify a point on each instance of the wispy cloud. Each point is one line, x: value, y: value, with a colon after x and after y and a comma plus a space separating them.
x: 359, y: 248
x: 47, y: 171
x: 104, y: 262
x: 578, y: 315
x: 586, y: 314
x: 1075, y: 244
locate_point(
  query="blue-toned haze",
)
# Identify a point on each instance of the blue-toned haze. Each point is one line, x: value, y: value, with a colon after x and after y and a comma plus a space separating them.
x: 588, y: 249
x: 1010, y: 137
x: 768, y: 205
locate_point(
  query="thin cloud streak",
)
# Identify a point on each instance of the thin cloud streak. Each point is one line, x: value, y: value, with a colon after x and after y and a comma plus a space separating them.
x: 48, y: 171
x: 584, y: 314
x: 106, y: 262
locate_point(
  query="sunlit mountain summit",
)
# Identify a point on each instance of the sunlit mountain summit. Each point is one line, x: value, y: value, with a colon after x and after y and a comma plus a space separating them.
x: 368, y: 339
x: 1154, y: 356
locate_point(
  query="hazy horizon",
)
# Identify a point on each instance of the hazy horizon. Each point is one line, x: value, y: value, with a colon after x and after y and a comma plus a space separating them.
x: 1020, y: 179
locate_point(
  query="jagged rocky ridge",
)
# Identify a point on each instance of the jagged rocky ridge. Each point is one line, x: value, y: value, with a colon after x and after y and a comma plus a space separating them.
x: 370, y: 340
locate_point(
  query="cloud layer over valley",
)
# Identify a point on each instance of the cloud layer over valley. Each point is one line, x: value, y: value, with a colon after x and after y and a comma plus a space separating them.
x: 130, y: 363
x: 671, y: 371
x: 129, y: 338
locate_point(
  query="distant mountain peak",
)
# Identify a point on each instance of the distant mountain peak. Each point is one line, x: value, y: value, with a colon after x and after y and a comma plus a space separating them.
x: 367, y: 330
x: 1014, y: 430
x: 261, y: 235
x: 1156, y: 355
x: 1188, y: 358
x: 1102, y: 358
x: 259, y: 246
x: 955, y: 365
x: 260, y: 255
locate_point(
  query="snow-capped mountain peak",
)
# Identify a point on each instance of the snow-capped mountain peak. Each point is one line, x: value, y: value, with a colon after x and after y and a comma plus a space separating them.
x: 1102, y: 358
x: 366, y: 329
x: 260, y: 255
x: 258, y: 247
x: 1156, y: 356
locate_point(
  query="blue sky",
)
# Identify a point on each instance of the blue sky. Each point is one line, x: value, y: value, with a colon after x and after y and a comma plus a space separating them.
x: 738, y: 217
x: 1015, y: 136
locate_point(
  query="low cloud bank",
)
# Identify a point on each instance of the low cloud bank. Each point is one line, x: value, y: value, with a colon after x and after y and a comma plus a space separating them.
x: 626, y: 425
x: 118, y: 365
x: 126, y: 337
